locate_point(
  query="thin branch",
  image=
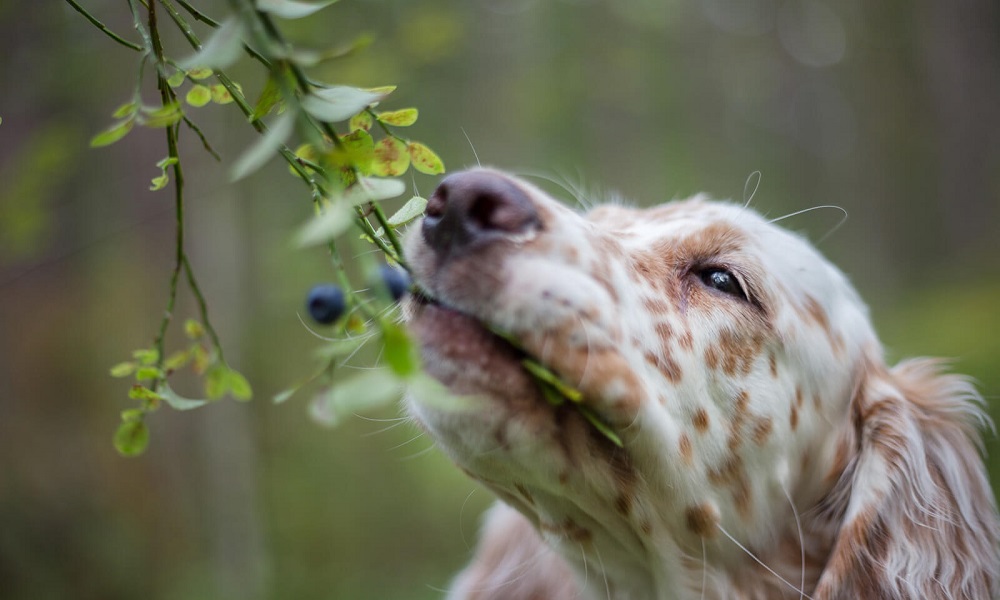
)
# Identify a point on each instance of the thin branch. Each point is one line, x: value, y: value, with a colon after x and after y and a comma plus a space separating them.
x: 204, y: 141
x: 111, y: 34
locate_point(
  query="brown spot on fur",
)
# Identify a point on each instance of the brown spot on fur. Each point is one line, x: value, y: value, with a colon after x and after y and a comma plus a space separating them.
x: 686, y: 340
x: 663, y: 330
x: 702, y: 520
x: 712, y: 358
x: 798, y: 397
x: 739, y: 351
x: 684, y: 445
x: 623, y: 504
x: 742, y: 496
x: 816, y: 313
x: 793, y: 418
x: 646, y: 527
x: 761, y: 430
x: 772, y: 363
x: 700, y: 420
x: 665, y: 365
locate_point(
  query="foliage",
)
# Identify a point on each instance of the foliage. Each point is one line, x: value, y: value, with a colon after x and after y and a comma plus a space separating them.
x: 345, y: 171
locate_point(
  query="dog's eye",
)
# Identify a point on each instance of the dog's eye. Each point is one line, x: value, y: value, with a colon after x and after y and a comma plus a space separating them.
x: 722, y: 280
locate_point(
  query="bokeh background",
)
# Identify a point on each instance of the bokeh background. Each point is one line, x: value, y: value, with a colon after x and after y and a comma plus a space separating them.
x: 890, y: 110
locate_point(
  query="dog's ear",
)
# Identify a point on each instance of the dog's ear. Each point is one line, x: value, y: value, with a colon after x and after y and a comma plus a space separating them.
x: 512, y: 561
x: 917, y: 516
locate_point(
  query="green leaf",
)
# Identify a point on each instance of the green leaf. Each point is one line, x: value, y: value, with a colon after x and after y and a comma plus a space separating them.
x: 148, y: 373
x: 123, y: 369
x: 216, y: 382
x: 193, y: 329
x: 167, y: 161
x: 176, y: 79
x: 269, y: 97
x: 199, y: 73
x: 139, y: 392
x: 358, y: 151
x: 178, y: 402
x: 391, y: 158
x: 264, y: 148
x: 220, y: 50
x: 335, y: 219
x: 399, y: 118
x: 399, y: 351
x: 158, y: 183
x: 198, y: 95
x: 413, y: 209
x: 125, y: 110
x: 362, y: 120
x: 131, y: 415
x: 164, y: 116
x: 177, y: 360
x: 220, y: 95
x: 132, y: 438
x: 146, y: 356
x: 341, y: 102
x: 290, y: 9
x: 369, y: 390
x: 112, y: 134
x: 238, y: 385
x: 424, y: 159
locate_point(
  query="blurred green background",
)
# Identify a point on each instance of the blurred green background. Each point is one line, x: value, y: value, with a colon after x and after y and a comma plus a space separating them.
x: 890, y: 110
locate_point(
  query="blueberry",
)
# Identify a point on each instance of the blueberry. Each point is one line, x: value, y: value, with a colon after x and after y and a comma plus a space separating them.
x: 397, y: 281
x: 326, y: 303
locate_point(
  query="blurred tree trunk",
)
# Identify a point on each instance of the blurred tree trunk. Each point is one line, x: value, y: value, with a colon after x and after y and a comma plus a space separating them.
x: 962, y: 53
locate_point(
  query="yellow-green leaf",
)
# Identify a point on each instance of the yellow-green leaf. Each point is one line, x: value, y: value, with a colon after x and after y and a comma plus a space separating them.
x: 200, y: 73
x: 164, y: 116
x: 220, y: 95
x: 424, y: 159
x: 399, y: 118
x: 239, y: 387
x: 123, y: 369
x: 362, y: 120
x: 193, y: 329
x: 391, y: 158
x: 125, y: 110
x: 176, y: 79
x: 112, y: 134
x: 158, y: 183
x: 198, y: 95
x: 132, y: 438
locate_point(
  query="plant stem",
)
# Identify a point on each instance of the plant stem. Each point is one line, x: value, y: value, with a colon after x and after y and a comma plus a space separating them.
x: 104, y: 28
x: 239, y: 99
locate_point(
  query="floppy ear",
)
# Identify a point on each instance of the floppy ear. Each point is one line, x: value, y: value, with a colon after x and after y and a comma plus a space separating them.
x: 918, y: 516
x: 512, y: 561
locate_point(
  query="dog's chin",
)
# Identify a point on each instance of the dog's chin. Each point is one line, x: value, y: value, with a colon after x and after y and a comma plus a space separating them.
x: 462, y: 353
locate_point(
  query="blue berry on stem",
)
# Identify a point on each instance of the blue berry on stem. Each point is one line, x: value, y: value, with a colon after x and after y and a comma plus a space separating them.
x: 326, y: 303
x: 397, y: 281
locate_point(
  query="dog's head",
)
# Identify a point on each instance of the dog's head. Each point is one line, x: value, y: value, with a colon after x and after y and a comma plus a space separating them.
x: 736, y: 365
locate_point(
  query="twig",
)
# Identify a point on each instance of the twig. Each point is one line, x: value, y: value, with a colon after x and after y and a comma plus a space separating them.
x: 104, y: 28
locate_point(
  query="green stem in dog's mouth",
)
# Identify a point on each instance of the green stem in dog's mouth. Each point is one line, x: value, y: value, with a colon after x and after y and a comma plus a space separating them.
x: 557, y: 392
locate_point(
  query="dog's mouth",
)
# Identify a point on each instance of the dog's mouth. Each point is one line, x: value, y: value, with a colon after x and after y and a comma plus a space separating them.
x: 470, y: 356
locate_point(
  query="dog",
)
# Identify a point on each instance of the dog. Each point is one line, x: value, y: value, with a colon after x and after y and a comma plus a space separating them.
x: 766, y: 449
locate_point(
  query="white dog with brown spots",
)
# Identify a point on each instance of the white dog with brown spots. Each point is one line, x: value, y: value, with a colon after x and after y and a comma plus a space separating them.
x: 767, y: 450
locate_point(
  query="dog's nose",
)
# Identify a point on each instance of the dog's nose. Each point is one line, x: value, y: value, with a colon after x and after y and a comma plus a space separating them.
x: 473, y: 207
